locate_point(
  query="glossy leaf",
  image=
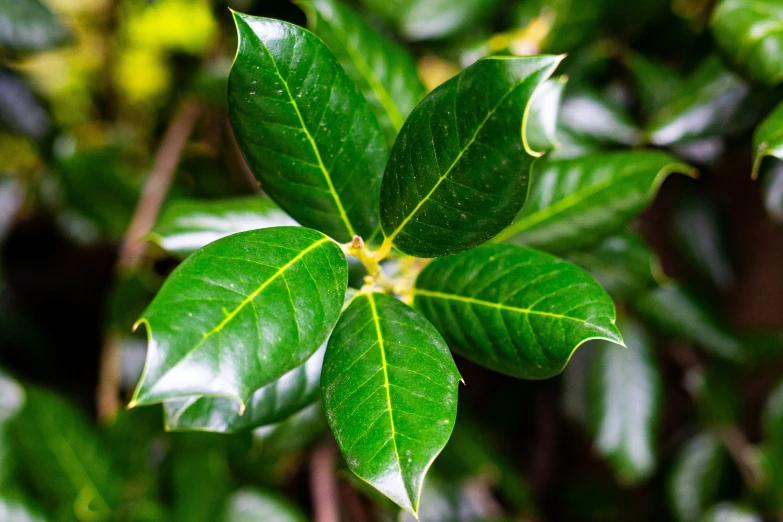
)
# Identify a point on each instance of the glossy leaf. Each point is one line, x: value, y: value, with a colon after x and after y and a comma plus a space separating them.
x: 514, y: 310
x: 622, y: 264
x: 656, y: 84
x: 12, y: 398
x: 773, y: 416
x: 678, y: 313
x: 200, y: 477
x: 748, y: 32
x: 768, y: 139
x: 306, y: 131
x: 384, y: 72
x: 389, y: 388
x: 600, y: 119
x: 187, y: 225
x: 269, y: 404
x: 624, y: 403
x: 544, y: 112
x: 569, y: 23
x: 710, y: 102
x: 458, y: 172
x: 240, y: 313
x: 247, y: 505
x: 29, y: 25
x: 431, y: 19
x: 577, y: 202
x: 15, y: 509
x: 62, y: 458
x: 695, y: 478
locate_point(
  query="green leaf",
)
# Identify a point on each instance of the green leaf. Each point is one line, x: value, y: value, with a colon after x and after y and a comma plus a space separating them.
x: 269, y: 404
x: 728, y: 512
x: 656, y: 84
x: 384, y: 72
x: 20, y: 110
x: 622, y: 264
x: 187, y: 225
x: 624, y: 403
x: 62, y: 458
x: 431, y: 19
x: 676, y: 312
x: 16, y: 509
x: 570, y: 23
x: 576, y: 202
x: 240, y: 313
x: 12, y: 398
x: 28, y: 25
x: 749, y: 34
x: 200, y: 476
x: 544, y: 111
x: 599, y: 119
x: 248, y: 505
x: 712, y: 101
x: 773, y: 417
x: 768, y: 139
x: 389, y: 387
x: 772, y: 192
x: 294, y: 433
x: 514, y: 310
x: 696, y: 477
x: 458, y: 172
x: 306, y: 131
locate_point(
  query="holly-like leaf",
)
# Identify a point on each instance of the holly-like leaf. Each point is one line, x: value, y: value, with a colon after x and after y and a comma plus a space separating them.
x: 568, y: 24
x: 624, y: 403
x: 384, y: 72
x: 431, y: 19
x: 656, y: 84
x: 187, y: 225
x: 768, y: 139
x: 599, y: 119
x: 247, y: 505
x: 678, y: 313
x: 696, y: 477
x: 306, y: 131
x: 269, y: 404
x: 240, y: 313
x: 459, y: 170
x: 577, y: 202
x: 62, y: 458
x: 748, y: 32
x: 710, y: 102
x: 28, y: 25
x: 390, y: 392
x: 622, y: 264
x: 513, y: 309
x: 294, y: 433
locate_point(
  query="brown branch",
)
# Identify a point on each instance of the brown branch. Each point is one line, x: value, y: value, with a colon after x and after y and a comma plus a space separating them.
x: 107, y: 397
x: 323, y: 483
x: 158, y: 183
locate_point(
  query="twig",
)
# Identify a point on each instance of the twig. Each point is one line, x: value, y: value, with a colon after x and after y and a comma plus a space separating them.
x: 158, y: 183
x: 323, y: 484
x: 743, y: 453
x: 107, y: 398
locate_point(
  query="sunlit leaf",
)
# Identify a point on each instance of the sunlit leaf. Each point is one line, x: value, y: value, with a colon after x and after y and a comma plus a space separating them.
x: 458, y: 172
x: 390, y: 394
x: 514, y: 310
x: 240, y: 313
x: 544, y: 112
x: 306, y: 131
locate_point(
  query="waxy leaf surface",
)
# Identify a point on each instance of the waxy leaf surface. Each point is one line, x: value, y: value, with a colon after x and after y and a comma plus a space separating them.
x: 384, y: 72
x: 768, y: 138
x: 576, y: 202
x: 515, y: 310
x: 624, y: 402
x: 696, y: 476
x: 622, y: 264
x: 306, y: 131
x: 459, y: 170
x: 269, y: 404
x: 750, y: 34
x: 390, y: 392
x: 542, y: 121
x: 186, y: 226
x: 599, y: 119
x: 292, y: 434
x: 240, y: 313
x: 247, y: 505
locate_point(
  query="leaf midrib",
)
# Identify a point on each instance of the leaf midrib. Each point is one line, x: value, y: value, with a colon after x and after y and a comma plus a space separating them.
x: 313, y: 144
x: 387, y: 385
x: 569, y: 201
x: 472, y: 140
x: 249, y: 299
x: 501, y: 306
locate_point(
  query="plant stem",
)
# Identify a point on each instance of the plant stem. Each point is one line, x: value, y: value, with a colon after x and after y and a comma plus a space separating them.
x: 323, y: 484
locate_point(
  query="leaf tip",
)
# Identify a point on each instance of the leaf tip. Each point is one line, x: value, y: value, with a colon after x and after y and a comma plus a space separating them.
x: 132, y: 404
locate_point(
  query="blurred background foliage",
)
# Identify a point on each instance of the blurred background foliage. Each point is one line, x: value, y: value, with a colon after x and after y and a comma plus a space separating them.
x: 97, y: 97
